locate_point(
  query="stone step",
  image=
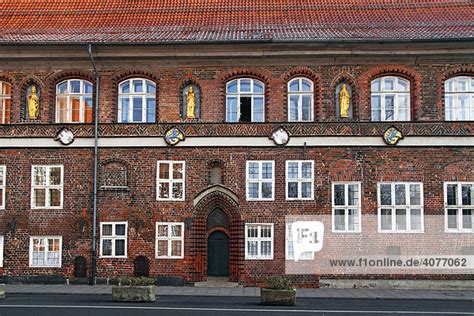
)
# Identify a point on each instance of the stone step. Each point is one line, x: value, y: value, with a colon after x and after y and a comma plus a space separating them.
x: 217, y: 282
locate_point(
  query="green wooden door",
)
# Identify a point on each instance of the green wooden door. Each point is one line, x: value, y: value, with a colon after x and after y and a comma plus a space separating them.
x: 218, y: 254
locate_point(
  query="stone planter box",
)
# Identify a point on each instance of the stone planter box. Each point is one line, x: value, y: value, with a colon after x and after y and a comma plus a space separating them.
x: 2, y: 291
x: 133, y: 293
x: 277, y: 297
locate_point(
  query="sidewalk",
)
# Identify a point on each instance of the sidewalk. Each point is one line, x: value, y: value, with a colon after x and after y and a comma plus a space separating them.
x: 247, y: 292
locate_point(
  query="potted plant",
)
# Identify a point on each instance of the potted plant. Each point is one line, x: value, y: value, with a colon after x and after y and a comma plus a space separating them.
x: 2, y: 291
x: 277, y: 290
x: 134, y: 290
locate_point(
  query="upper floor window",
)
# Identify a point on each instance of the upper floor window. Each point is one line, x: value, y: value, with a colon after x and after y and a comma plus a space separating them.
x: 459, y: 99
x: 5, y: 102
x: 260, y: 180
x: 170, y: 180
x: 74, y: 101
x: 459, y: 206
x: 299, y: 179
x: 137, y: 101
x: 300, y: 100
x: 2, y: 186
x: 400, y: 207
x: 245, y: 100
x: 47, y: 187
x: 390, y: 99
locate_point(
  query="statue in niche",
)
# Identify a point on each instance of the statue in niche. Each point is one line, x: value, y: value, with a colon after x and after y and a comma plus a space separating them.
x: 344, y: 101
x: 190, y: 103
x: 33, y: 103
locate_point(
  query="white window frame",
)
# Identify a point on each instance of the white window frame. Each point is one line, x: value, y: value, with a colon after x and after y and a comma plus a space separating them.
x: 458, y: 207
x: 46, y: 244
x: 260, y: 181
x: 114, y: 237
x: 47, y: 187
x: 346, y: 207
x: 407, y: 207
x: 131, y: 95
x: 82, y: 95
x: 309, y: 255
x: 3, y: 186
x: 169, y: 239
x: 3, y: 98
x: 2, y: 246
x: 299, y: 180
x: 455, y: 108
x: 259, y: 240
x: 382, y: 93
x: 240, y: 94
x: 170, y: 180
x: 300, y: 95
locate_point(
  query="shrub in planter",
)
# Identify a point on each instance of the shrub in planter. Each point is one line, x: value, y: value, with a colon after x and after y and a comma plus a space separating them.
x: 277, y: 290
x: 2, y: 291
x: 134, y: 290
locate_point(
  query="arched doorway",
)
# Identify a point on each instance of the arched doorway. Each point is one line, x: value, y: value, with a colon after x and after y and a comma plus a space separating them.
x: 218, y: 254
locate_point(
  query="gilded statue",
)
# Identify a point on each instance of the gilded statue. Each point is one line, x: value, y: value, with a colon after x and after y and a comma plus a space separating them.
x: 190, y: 103
x: 33, y: 104
x: 344, y: 101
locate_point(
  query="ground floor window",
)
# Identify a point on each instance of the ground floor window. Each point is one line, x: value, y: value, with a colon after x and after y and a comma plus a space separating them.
x: 346, y: 207
x: 170, y: 240
x: 400, y: 207
x: 1, y: 251
x: 45, y: 251
x: 113, y: 240
x: 459, y: 211
x: 259, y: 241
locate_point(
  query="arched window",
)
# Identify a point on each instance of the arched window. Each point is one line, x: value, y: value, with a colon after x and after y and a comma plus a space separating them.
x: 459, y: 99
x: 74, y: 101
x: 300, y: 100
x: 5, y: 102
x: 245, y: 100
x: 137, y: 101
x: 390, y: 99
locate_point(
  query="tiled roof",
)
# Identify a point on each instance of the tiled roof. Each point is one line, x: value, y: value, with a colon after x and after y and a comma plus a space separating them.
x: 167, y: 21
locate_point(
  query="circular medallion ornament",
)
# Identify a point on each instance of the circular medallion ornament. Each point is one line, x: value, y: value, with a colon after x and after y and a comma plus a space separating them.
x: 173, y: 136
x: 65, y: 136
x: 280, y: 136
x: 392, y: 136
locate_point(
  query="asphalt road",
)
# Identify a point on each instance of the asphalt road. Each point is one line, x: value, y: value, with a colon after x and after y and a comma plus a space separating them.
x: 98, y: 305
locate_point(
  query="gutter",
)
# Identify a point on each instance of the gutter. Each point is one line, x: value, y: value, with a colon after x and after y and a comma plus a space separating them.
x: 96, y: 166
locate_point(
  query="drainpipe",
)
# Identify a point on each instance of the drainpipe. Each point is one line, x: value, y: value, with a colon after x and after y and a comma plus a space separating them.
x: 96, y: 165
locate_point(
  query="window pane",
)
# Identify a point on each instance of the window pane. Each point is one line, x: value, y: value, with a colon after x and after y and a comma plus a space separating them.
x: 376, y: 109
x: 385, y: 194
x: 294, y: 86
x: 177, y: 171
x: 339, y: 194
x: 403, y: 85
x: 75, y: 86
x: 88, y: 109
x: 257, y: 87
x: 150, y: 87
x: 176, y: 231
x: 306, y: 108
x: 306, y: 190
x: 267, y: 170
x: 294, y: 108
x: 353, y: 194
x: 252, y: 231
x: 232, y: 109
x: 245, y: 85
x: 232, y: 87
x: 253, y: 190
x: 252, y: 248
x: 120, y: 247
x: 415, y: 219
x: 306, y: 85
x: 40, y: 175
x: 87, y: 87
x: 164, y: 169
x: 375, y: 85
x: 452, y: 194
x: 177, y: 191
x: 266, y: 248
x: 353, y: 219
x: 253, y: 170
x: 400, y: 197
x: 292, y: 189
x: 176, y: 248
x: 107, y: 230
x: 452, y: 219
x: 339, y: 222
x: 55, y: 197
x: 55, y: 176
x: 389, y: 84
x: 403, y: 108
x: 267, y: 190
x: 62, y: 108
x: 137, y: 109
x: 292, y: 170
x: 467, y: 194
x: 386, y: 219
x: 162, y: 230
x: 120, y: 230
x: 125, y: 87
x: 389, y: 108
x: 162, y: 248
x: 257, y: 109
x: 107, y: 247
x: 415, y: 195
x: 75, y: 109
x: 306, y: 170
x: 39, y: 197
x: 466, y: 219
x: 138, y: 85
x: 164, y: 190
x: 62, y: 88
x: 401, y: 219
x: 150, y: 110
x: 124, y: 105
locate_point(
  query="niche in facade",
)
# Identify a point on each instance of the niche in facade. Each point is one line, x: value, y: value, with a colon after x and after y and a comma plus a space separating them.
x: 191, y: 102
x: 344, y: 102
x: 114, y: 176
x: 80, y: 267
x: 141, y: 267
x: 217, y: 218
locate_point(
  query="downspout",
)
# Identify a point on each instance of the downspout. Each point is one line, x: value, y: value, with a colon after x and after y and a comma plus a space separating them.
x: 96, y: 167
